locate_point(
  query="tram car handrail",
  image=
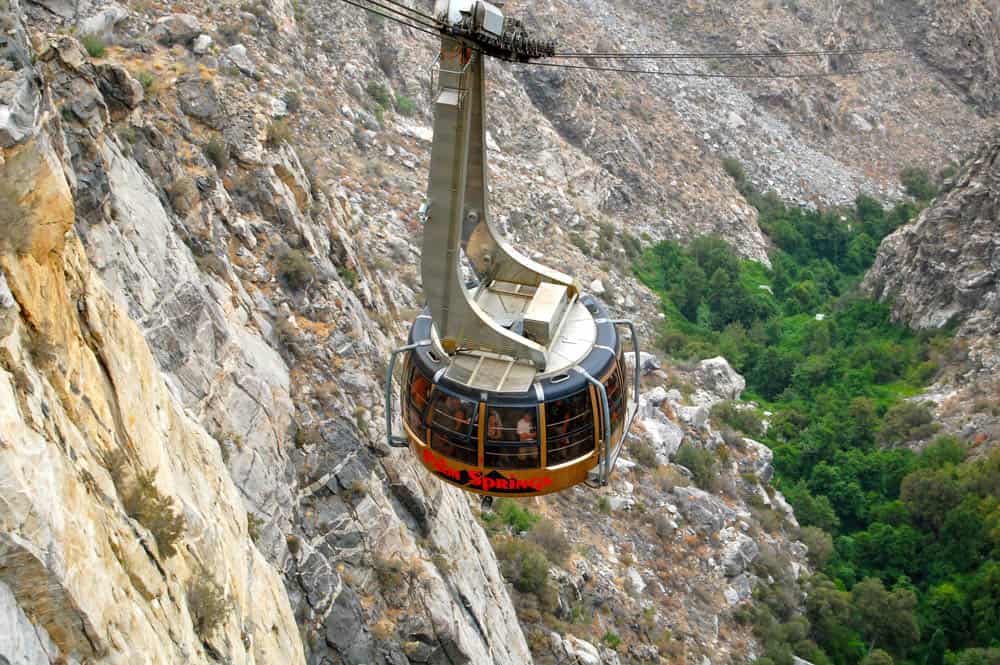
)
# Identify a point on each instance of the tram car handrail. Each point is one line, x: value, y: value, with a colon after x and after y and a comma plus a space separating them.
x: 395, y: 441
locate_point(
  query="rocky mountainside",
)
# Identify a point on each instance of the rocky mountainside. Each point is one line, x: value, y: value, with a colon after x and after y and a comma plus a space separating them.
x: 944, y: 270
x: 209, y: 225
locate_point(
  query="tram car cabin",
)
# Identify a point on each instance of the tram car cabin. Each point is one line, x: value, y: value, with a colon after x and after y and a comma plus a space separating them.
x: 513, y: 383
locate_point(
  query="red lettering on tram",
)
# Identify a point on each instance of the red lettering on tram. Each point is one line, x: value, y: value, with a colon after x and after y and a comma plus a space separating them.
x: 487, y: 483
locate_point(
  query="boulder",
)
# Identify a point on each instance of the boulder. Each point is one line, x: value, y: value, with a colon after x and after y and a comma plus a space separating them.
x: 63, y: 8
x: 585, y: 653
x: 647, y: 361
x: 740, y: 589
x: 8, y: 308
x: 635, y: 580
x: 102, y: 24
x: 597, y: 287
x: 656, y: 396
x: 21, y: 641
x: 739, y: 552
x: 717, y: 377
x: 120, y: 90
x: 20, y: 100
x: 201, y: 44
x: 662, y: 434
x: 758, y: 460
x: 200, y: 100
x: 238, y: 57
x: 705, y: 511
x: 176, y: 29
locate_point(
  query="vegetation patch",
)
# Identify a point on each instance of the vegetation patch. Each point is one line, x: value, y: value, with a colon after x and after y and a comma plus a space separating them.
x: 94, y: 45
x: 906, y: 545
x: 208, y: 604
x: 296, y: 269
x: 156, y: 512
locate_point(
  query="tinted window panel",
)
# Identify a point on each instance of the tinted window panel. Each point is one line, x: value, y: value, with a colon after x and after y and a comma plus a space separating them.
x: 512, y: 438
x: 455, y: 427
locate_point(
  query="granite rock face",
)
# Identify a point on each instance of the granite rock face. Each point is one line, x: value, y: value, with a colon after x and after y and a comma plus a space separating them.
x: 91, y: 439
x: 944, y: 269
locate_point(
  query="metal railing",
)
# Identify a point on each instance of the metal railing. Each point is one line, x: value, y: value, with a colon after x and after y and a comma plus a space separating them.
x: 395, y: 441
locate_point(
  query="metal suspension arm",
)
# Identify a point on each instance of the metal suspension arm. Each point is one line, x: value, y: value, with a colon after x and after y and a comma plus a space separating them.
x: 395, y: 441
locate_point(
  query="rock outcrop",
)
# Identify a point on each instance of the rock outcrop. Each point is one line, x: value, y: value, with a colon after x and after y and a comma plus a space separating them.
x: 122, y: 536
x: 944, y: 269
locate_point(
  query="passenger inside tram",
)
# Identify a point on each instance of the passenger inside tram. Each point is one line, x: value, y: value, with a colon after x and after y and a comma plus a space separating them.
x: 526, y: 427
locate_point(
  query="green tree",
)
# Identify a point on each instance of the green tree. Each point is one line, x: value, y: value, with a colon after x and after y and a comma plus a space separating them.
x: 885, y: 618
x: 929, y: 494
x: 877, y: 657
x: 985, y: 593
x: 829, y: 611
x: 947, y: 608
x: 943, y: 451
x: 907, y: 421
x: 811, y: 510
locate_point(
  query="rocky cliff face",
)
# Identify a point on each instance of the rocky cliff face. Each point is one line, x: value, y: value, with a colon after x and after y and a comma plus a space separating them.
x: 122, y: 536
x: 113, y: 196
x: 944, y: 269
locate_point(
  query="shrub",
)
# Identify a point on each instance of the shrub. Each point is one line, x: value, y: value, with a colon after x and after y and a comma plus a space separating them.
x: 379, y: 93
x: 643, y: 454
x: 308, y: 435
x: 523, y: 564
x: 183, y: 193
x: 390, y: 572
x: 156, y: 512
x: 278, y: 133
x: 254, y: 525
x: 293, y: 101
x: 296, y: 269
x: 518, y: 518
x: 743, y: 420
x: 611, y: 640
x: 405, y: 106
x: 356, y: 490
x: 208, y: 604
x: 212, y: 264
x: 217, y: 153
x: 551, y: 539
x: 349, y: 277
x: 148, y: 81
x: 907, y: 421
x: 94, y: 46
x: 700, y: 462
x: 383, y: 629
x: 820, y: 545
x: 918, y: 184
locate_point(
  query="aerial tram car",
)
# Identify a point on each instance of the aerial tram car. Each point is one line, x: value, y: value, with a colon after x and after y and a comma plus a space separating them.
x: 514, y: 381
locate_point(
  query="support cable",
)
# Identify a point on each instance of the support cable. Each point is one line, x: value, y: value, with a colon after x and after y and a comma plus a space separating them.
x: 709, y: 75
x: 728, y: 55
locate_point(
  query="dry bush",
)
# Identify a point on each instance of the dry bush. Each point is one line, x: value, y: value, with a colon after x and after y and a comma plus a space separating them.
x: 296, y: 269
x: 643, y: 454
x: 278, y: 133
x: 208, y: 604
x: 156, y: 512
x: 667, y: 478
x: 551, y: 539
x: 384, y: 629
x: 183, y: 193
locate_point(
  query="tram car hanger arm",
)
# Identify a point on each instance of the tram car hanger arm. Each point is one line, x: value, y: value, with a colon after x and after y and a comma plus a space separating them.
x: 515, y: 384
